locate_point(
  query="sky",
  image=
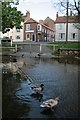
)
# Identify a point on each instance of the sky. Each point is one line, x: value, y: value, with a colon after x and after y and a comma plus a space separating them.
x: 39, y: 9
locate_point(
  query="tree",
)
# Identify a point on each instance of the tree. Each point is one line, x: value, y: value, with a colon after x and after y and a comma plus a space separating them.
x: 61, y: 5
x: 64, y: 6
x: 10, y: 16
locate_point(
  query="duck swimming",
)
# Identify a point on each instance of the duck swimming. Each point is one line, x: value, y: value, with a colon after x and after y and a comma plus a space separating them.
x: 50, y: 103
x: 38, y: 88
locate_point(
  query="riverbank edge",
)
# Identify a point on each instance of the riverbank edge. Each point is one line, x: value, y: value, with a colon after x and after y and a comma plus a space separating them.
x: 42, y: 55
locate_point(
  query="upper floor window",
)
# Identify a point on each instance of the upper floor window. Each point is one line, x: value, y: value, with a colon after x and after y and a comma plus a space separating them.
x: 39, y: 27
x: 60, y: 26
x: 27, y: 26
x: 17, y: 30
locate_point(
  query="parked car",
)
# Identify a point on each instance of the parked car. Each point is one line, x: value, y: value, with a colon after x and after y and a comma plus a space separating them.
x: 6, y: 39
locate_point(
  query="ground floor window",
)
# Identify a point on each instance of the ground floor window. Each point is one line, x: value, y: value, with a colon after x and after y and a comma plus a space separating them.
x: 61, y: 36
x: 27, y: 36
x: 74, y: 36
x: 17, y: 37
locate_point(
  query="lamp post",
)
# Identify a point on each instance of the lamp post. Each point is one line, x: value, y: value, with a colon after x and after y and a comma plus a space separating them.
x: 67, y: 20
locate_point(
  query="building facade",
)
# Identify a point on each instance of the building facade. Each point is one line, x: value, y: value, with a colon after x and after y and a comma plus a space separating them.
x: 17, y: 35
x: 60, y: 28
x: 35, y: 31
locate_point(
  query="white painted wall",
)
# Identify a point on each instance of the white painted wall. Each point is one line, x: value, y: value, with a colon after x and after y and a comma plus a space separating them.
x: 61, y: 28
x: 14, y: 34
x: 71, y: 30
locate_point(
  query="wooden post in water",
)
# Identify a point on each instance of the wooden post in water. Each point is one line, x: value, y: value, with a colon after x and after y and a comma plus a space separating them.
x: 16, y: 47
x: 30, y: 48
x: 11, y: 42
x: 40, y: 48
x: 54, y: 48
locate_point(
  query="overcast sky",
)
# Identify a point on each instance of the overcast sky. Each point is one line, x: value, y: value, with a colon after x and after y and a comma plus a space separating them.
x: 39, y: 9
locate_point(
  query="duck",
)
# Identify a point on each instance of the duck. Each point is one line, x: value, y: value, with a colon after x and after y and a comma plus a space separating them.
x: 22, y: 55
x: 38, y: 88
x: 14, y: 60
x: 38, y: 96
x: 50, y: 103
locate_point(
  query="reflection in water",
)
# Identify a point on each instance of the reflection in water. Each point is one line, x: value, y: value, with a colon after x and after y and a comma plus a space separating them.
x: 37, y: 95
x: 58, y: 79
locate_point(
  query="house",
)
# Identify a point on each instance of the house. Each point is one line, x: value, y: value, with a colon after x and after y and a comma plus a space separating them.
x: 60, y: 28
x: 49, y: 22
x: 17, y: 35
x: 35, y: 31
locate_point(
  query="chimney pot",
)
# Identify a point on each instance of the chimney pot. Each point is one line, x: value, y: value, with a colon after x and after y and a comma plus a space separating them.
x: 57, y: 15
x: 70, y: 12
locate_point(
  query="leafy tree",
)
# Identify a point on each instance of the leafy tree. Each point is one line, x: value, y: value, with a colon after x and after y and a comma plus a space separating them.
x: 10, y: 16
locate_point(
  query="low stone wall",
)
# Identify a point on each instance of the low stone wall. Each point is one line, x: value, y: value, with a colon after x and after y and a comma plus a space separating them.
x: 69, y: 52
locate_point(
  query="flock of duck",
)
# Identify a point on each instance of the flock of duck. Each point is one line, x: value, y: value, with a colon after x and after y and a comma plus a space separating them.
x: 50, y: 103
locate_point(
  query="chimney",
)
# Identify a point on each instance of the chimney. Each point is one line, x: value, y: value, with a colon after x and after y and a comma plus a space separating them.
x: 57, y: 15
x: 28, y: 14
x: 70, y: 12
x: 41, y: 21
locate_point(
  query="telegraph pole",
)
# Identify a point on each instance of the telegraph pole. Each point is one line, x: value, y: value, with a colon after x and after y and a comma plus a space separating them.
x: 79, y: 20
x: 67, y: 2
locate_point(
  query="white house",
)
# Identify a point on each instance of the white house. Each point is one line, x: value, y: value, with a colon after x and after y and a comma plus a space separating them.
x: 60, y: 28
x: 17, y: 35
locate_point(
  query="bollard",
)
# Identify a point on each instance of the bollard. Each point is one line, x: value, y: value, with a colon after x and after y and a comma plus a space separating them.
x: 40, y: 48
x: 16, y: 47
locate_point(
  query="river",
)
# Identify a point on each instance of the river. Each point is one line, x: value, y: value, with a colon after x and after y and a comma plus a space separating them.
x: 60, y: 78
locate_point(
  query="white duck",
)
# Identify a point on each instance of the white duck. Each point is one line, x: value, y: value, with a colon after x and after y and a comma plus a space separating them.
x: 50, y: 103
x: 38, y: 88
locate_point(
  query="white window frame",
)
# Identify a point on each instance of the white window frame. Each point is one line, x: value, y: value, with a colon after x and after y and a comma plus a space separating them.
x: 73, y: 36
x: 17, y: 30
x: 27, y: 38
x: 27, y: 26
x: 61, y: 36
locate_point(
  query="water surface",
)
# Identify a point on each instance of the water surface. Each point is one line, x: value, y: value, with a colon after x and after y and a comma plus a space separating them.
x: 60, y: 78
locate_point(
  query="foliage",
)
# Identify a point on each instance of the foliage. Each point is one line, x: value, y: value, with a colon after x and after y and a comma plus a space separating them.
x: 10, y: 17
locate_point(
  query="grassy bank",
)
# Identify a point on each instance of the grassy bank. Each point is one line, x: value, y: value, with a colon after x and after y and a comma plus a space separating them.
x: 74, y: 45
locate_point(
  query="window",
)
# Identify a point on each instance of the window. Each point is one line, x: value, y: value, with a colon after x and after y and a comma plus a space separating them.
x: 73, y: 35
x: 17, y: 37
x: 38, y: 28
x: 27, y: 35
x: 27, y: 26
x: 62, y: 36
x: 17, y: 30
x: 60, y: 27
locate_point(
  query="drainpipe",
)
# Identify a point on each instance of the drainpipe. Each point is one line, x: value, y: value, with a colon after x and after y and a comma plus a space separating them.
x: 67, y: 21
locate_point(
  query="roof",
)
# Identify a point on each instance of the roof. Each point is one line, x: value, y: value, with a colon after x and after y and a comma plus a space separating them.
x: 30, y: 21
x: 34, y: 21
x: 62, y: 19
x: 48, y: 18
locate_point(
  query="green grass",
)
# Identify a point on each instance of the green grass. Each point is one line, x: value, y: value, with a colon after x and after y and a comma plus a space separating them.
x: 67, y: 45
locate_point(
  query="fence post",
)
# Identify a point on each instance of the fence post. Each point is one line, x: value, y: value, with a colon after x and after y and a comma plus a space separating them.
x: 16, y: 47
x: 54, y: 48
x: 40, y: 48
x: 30, y: 48
x: 11, y: 42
